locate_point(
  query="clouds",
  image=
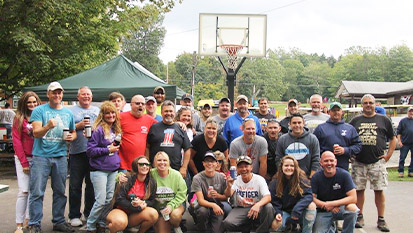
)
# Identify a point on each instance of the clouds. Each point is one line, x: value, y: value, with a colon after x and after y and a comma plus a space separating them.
x: 314, y: 26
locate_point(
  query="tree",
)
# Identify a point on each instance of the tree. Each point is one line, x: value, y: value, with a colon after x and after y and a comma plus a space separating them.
x: 43, y: 41
x: 144, y: 45
x: 400, y: 64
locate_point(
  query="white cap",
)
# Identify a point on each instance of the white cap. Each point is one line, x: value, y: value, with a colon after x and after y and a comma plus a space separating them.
x: 54, y: 86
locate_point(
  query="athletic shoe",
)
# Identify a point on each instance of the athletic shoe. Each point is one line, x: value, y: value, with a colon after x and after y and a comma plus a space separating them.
x: 360, y: 221
x: 35, y: 229
x: 64, y: 227
x: 401, y: 174
x: 178, y: 230
x: 410, y: 174
x: 76, y: 222
x: 19, y: 229
x: 381, y: 224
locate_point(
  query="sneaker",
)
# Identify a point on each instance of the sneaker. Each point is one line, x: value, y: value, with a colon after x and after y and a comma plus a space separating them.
x: 401, y: 174
x: 35, y: 229
x: 360, y: 221
x: 178, y: 230
x: 64, y: 227
x: 410, y: 174
x: 382, y: 225
x: 19, y: 229
x: 76, y: 222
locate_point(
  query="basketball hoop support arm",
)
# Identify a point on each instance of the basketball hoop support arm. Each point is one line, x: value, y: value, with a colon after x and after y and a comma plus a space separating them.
x: 231, y: 77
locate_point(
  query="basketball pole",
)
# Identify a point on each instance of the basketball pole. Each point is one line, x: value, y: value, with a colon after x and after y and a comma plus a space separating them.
x: 231, y: 77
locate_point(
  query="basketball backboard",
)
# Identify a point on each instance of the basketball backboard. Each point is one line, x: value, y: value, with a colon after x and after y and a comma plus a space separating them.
x: 247, y: 31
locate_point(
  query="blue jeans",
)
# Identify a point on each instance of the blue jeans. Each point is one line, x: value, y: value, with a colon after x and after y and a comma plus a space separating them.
x: 307, y: 219
x: 403, y: 154
x: 104, y: 186
x: 79, y: 171
x: 324, y: 221
x: 41, y: 169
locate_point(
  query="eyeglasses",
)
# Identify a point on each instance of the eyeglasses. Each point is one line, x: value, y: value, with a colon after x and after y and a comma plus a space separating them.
x: 139, y: 103
x: 368, y: 103
x: 144, y: 164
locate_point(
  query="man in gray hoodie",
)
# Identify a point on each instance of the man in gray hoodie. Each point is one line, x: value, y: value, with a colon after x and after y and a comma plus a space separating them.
x: 301, y: 144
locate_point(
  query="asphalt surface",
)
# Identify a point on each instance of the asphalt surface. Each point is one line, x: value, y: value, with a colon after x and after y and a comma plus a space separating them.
x: 399, y: 202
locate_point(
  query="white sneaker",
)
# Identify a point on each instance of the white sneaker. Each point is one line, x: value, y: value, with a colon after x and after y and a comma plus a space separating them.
x: 76, y: 222
x: 178, y: 230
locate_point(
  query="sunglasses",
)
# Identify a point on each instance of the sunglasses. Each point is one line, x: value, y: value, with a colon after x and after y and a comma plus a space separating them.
x: 159, y: 93
x: 144, y: 164
x: 220, y: 161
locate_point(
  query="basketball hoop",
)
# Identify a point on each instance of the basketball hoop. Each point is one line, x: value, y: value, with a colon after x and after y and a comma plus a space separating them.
x: 232, y: 51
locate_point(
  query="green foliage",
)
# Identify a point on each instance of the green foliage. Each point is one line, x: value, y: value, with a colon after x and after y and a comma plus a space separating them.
x: 43, y: 41
x: 144, y: 44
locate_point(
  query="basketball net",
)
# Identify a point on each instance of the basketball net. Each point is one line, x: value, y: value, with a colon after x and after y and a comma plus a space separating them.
x: 232, y: 51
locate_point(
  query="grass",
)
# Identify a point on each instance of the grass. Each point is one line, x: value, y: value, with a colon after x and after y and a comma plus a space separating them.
x: 394, y: 175
x: 280, y: 107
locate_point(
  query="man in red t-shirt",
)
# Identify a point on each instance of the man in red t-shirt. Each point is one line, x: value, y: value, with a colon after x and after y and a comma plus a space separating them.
x: 135, y: 127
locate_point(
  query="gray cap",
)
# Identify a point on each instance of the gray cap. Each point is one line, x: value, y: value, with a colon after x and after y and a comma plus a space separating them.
x: 150, y: 98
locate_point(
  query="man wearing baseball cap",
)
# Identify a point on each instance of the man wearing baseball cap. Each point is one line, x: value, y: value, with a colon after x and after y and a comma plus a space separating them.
x: 263, y: 113
x: 49, y: 122
x: 206, y: 112
x: 232, y: 128
x: 338, y: 137
x: 159, y: 93
x: 209, y: 187
x: 252, y: 197
x: 405, y: 139
x: 224, y: 111
x: 292, y: 107
x: 188, y: 101
x: 150, y: 105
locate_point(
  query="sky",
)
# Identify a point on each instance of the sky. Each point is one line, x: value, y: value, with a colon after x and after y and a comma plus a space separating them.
x: 314, y: 26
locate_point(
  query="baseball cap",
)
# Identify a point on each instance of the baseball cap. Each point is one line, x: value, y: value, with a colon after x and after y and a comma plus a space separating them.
x: 187, y: 96
x: 409, y: 108
x: 54, y: 86
x: 206, y: 105
x: 224, y: 99
x: 242, y: 97
x: 150, y: 98
x: 158, y: 88
x: 335, y: 104
x: 245, y: 159
x: 210, y: 154
x: 293, y: 101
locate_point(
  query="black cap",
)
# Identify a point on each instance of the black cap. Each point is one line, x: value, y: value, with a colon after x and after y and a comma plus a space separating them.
x: 210, y: 154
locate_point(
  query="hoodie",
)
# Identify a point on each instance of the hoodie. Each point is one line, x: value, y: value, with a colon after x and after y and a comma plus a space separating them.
x: 340, y: 133
x: 305, y: 149
x: 98, y: 152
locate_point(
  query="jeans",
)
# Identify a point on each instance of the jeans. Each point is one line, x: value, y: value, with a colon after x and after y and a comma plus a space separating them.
x: 41, y: 169
x: 22, y: 201
x: 237, y: 219
x: 79, y: 171
x: 104, y: 186
x: 403, y: 154
x: 307, y: 219
x: 324, y: 221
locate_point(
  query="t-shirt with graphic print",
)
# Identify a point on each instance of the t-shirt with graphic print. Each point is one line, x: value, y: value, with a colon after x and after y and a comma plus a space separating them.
x: 170, y: 190
x: 247, y: 194
x: 373, y: 133
x: 170, y: 139
x: 52, y: 143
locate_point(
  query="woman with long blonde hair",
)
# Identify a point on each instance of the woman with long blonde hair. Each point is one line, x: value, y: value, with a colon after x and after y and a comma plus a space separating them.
x: 292, y: 198
x: 104, y: 162
x: 22, y: 132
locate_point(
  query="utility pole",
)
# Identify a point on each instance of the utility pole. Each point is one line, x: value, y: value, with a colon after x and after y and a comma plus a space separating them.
x: 193, y: 73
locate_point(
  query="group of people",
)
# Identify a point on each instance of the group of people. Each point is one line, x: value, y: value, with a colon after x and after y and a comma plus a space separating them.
x: 235, y: 170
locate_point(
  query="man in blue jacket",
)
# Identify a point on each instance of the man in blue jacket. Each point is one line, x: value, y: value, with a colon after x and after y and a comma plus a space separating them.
x: 337, y: 136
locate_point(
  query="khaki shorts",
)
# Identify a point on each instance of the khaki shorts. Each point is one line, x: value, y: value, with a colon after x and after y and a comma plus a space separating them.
x: 376, y: 173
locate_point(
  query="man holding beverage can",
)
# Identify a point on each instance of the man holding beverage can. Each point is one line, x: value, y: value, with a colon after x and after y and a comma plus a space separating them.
x: 209, y: 187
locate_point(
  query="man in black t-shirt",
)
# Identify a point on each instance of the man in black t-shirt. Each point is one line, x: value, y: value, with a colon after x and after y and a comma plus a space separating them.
x: 369, y: 164
x: 292, y: 107
x: 263, y: 114
x: 334, y: 194
x: 167, y: 136
x: 272, y: 135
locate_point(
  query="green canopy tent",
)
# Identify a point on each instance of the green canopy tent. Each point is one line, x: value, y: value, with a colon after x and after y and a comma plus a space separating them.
x: 119, y: 74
